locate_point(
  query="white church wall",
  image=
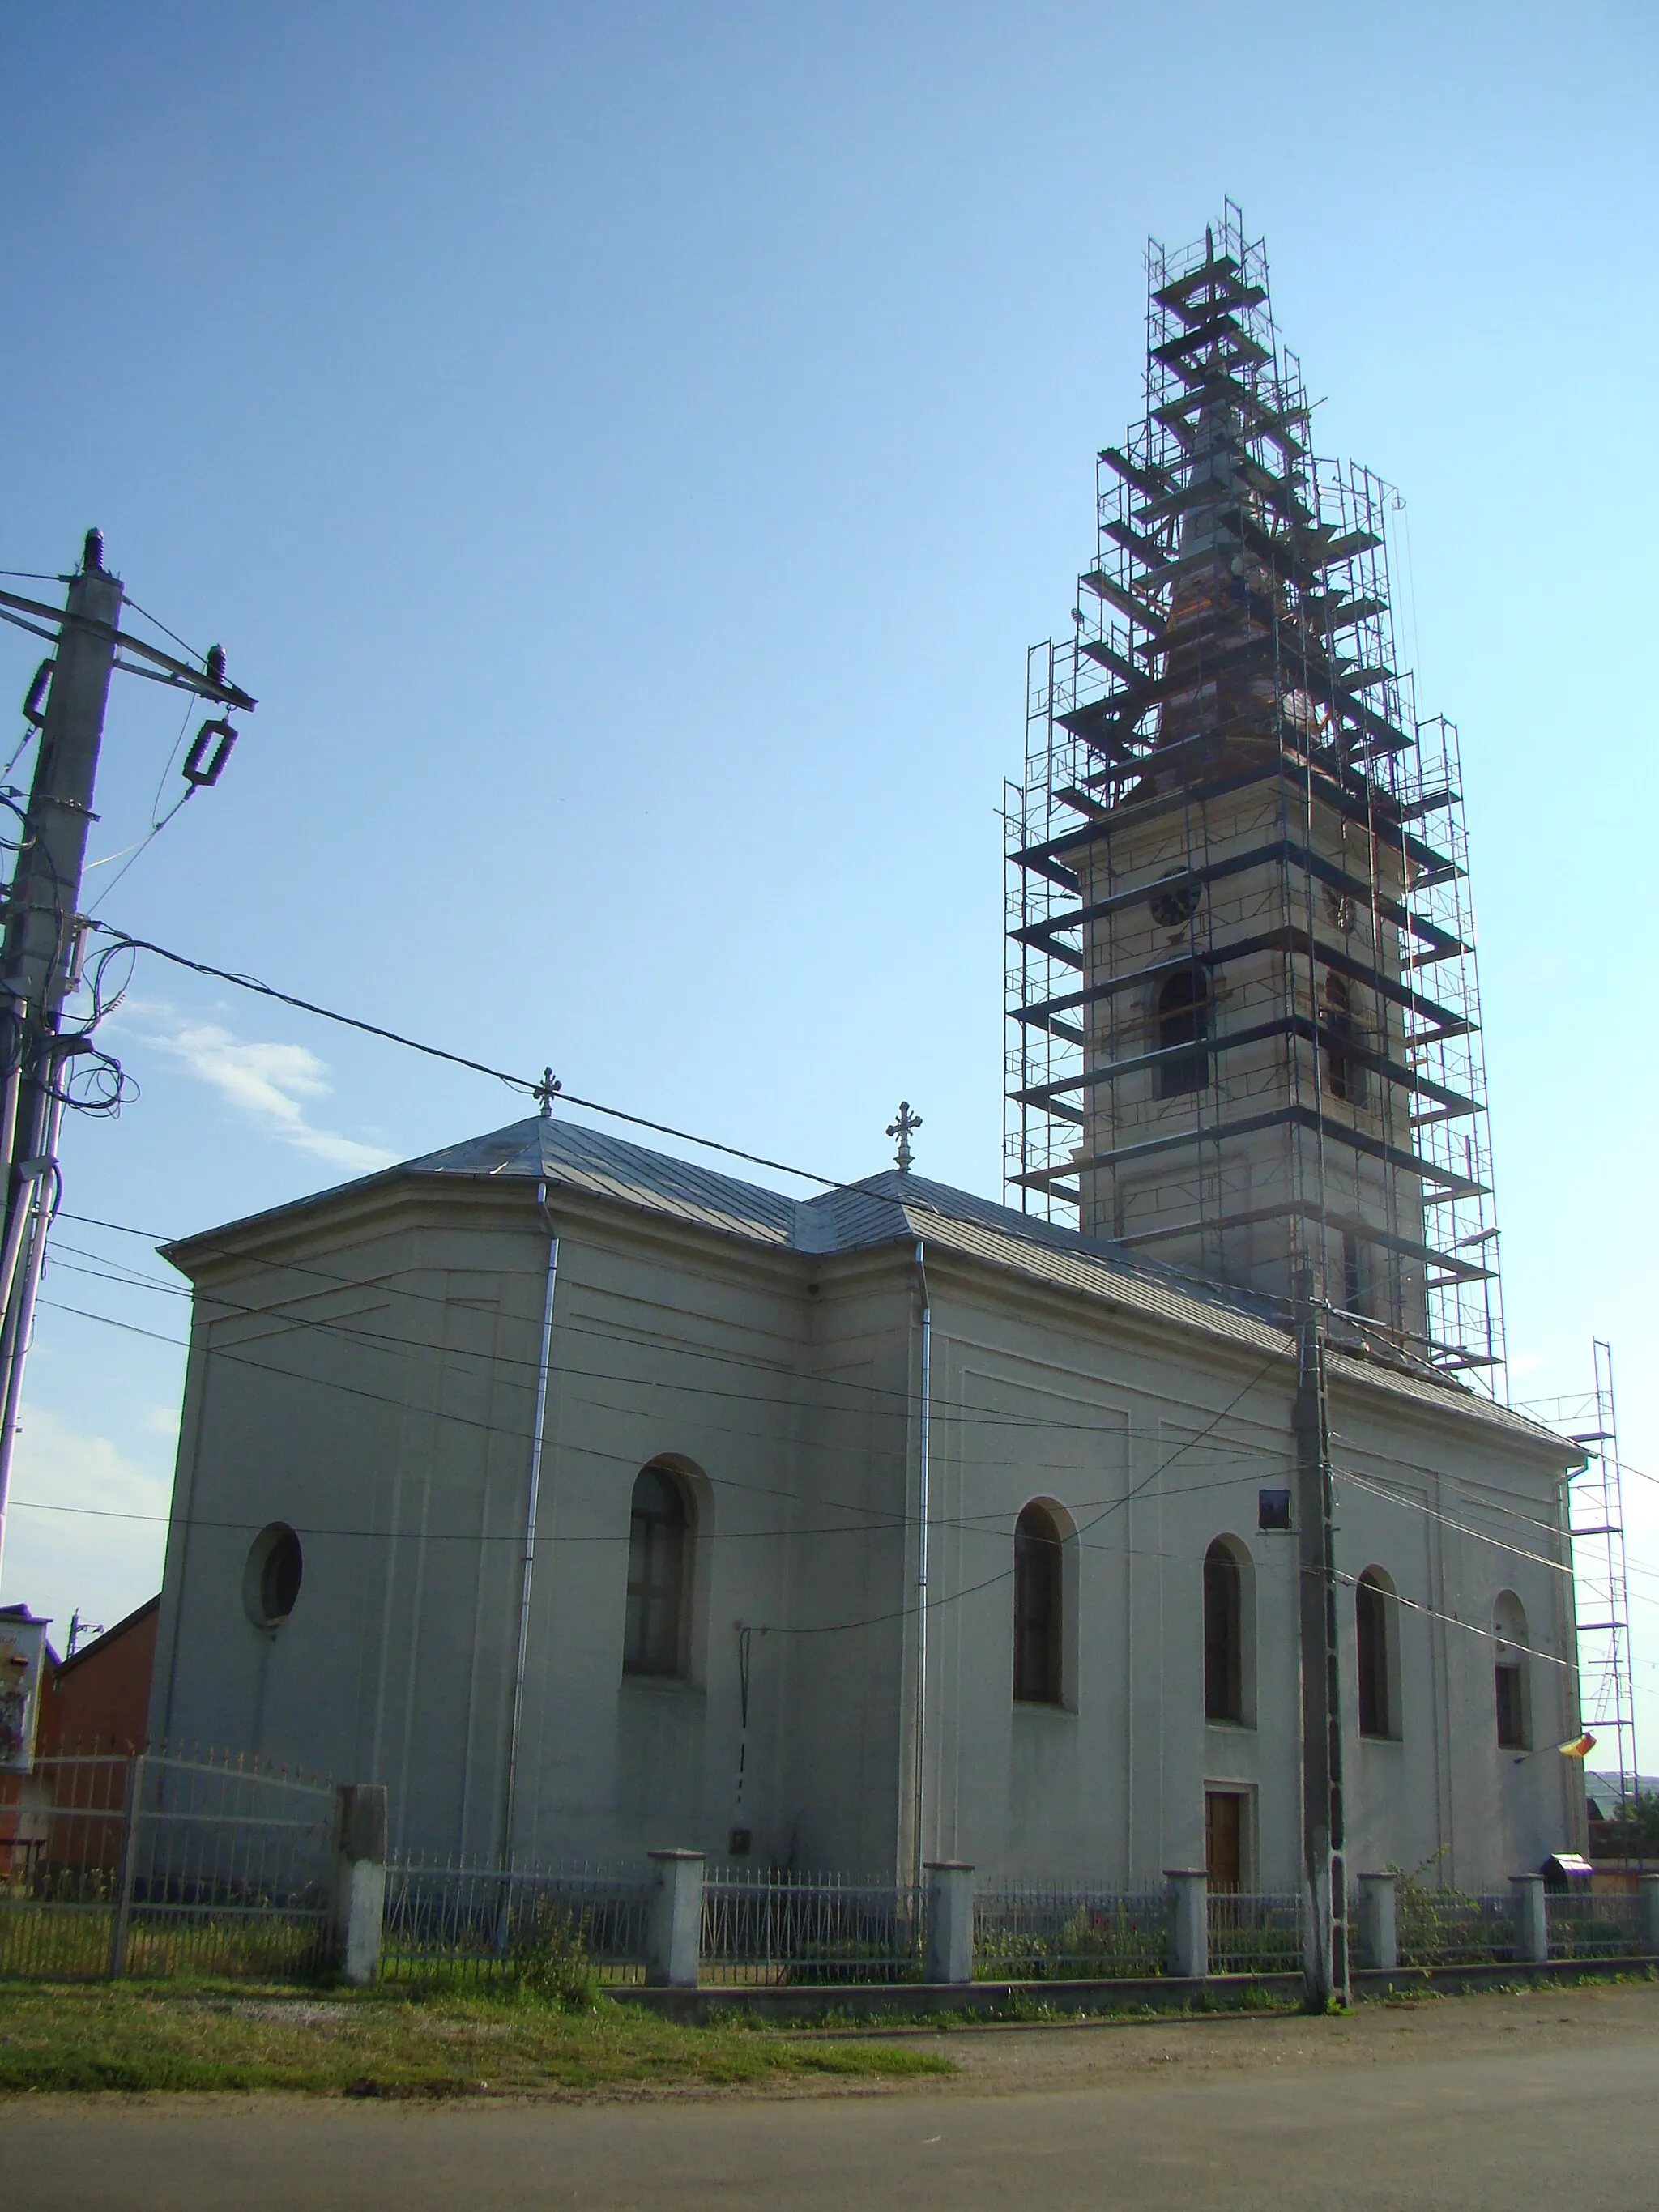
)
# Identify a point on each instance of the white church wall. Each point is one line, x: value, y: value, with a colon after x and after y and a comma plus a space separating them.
x: 387, y: 1424
x: 842, y: 1660
x: 1045, y: 1398
x: 1475, y: 1515
x: 672, y: 1351
x: 365, y: 1373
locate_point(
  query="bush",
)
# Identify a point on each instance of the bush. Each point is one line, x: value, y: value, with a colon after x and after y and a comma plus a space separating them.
x: 1635, y: 1829
x: 550, y: 1961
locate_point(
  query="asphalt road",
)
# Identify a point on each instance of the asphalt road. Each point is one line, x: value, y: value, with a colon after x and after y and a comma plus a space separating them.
x: 1554, y: 2104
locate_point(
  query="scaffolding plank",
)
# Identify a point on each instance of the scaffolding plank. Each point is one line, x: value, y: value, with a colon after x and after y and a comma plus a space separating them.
x: 1332, y: 613
x: 1144, y: 548
x: 1108, y: 587
x: 1452, y: 1186
x: 1279, y: 852
x: 1104, y: 725
x: 1146, y: 477
x: 1103, y: 656
x: 1430, y: 803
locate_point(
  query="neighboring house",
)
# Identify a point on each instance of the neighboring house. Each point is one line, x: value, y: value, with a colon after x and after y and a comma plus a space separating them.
x: 98, y: 1699
x: 726, y: 1519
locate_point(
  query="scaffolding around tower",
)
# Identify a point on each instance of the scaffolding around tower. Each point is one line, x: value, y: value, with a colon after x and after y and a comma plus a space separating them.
x: 1244, y: 1013
x: 1606, y: 1695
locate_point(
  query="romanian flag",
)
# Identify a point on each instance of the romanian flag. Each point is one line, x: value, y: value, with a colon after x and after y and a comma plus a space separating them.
x: 1580, y: 1747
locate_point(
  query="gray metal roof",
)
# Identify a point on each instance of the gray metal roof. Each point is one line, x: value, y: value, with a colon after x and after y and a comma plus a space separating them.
x: 890, y: 1208
x: 893, y: 1208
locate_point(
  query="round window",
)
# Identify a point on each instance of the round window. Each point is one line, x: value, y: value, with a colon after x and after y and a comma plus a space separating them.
x: 270, y: 1581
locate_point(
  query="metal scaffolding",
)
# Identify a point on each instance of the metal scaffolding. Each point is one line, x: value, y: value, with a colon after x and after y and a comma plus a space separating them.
x: 1601, y: 1589
x: 1242, y: 988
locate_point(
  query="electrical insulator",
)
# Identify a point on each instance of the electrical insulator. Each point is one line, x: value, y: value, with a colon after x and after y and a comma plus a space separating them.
x: 34, y: 700
x: 194, y: 772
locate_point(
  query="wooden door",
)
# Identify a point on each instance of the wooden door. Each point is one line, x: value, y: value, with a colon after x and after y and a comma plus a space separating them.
x: 1224, y: 1839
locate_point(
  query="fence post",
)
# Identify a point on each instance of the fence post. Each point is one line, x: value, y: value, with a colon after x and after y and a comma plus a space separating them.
x: 1532, y: 1927
x: 950, y: 1953
x: 1648, y: 1887
x: 1189, y: 1922
x: 673, y: 1935
x: 126, y: 1867
x: 359, y: 1878
x: 1379, y: 1919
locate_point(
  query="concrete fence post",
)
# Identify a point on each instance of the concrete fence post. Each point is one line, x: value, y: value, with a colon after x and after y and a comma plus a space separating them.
x: 1189, y: 1922
x: 126, y: 1869
x: 1532, y: 1927
x: 1647, y: 1885
x: 1379, y: 1924
x: 950, y: 1952
x: 673, y: 1934
x: 359, y: 1878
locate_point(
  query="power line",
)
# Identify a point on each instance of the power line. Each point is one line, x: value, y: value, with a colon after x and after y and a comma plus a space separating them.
x: 774, y: 1401
x: 875, y: 1523
x: 558, y: 1541
x: 1106, y: 1426
x: 1470, y: 1627
x: 931, y: 1605
x: 529, y: 1086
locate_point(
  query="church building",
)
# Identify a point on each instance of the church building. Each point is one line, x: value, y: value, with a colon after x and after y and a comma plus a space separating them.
x: 1168, y: 1513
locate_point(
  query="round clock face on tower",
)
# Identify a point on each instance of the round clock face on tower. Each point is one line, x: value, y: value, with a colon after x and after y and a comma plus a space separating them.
x: 1177, y: 899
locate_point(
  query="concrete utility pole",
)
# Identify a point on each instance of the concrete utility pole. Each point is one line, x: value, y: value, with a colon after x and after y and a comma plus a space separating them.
x: 40, y: 956
x: 1324, y: 1871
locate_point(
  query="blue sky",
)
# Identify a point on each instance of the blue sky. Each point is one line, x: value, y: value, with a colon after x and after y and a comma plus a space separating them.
x: 627, y: 453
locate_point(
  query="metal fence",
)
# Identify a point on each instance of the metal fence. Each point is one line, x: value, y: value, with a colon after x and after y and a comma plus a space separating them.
x: 761, y: 1927
x: 156, y: 1864
x: 1253, y: 1935
x: 1605, y: 1927
x: 485, y: 1921
x: 1445, y: 1928
x: 1039, y: 1931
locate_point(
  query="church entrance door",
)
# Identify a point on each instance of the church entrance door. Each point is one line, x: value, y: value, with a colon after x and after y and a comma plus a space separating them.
x: 1223, y: 1839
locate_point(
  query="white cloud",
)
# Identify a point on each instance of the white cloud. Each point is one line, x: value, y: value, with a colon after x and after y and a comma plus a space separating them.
x: 86, y: 1526
x: 271, y: 1084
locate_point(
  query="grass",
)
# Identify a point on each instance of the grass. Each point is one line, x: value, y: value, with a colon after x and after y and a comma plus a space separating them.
x: 207, y: 2035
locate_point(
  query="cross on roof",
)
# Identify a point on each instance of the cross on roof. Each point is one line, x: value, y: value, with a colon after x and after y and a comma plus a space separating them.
x: 901, y: 1126
x: 546, y: 1092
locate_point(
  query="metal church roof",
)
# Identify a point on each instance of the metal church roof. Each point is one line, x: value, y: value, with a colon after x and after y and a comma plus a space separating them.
x: 894, y: 1208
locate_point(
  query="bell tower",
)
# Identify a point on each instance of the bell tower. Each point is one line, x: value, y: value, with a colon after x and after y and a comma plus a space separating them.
x: 1242, y: 984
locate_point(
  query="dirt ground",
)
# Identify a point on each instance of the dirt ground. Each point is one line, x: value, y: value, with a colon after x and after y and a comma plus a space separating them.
x: 1495, y: 2103
x: 1000, y: 2061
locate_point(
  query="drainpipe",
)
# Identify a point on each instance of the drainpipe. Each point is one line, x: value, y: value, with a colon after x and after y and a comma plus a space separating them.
x: 537, y: 1436
x: 919, y: 1781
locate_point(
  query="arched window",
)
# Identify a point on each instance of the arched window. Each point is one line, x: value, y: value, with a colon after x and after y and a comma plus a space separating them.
x: 1183, y: 1018
x: 658, y: 1560
x: 1509, y: 1628
x: 1224, y: 1633
x: 1038, y: 1600
x: 1374, y: 1628
x: 1345, y: 1041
